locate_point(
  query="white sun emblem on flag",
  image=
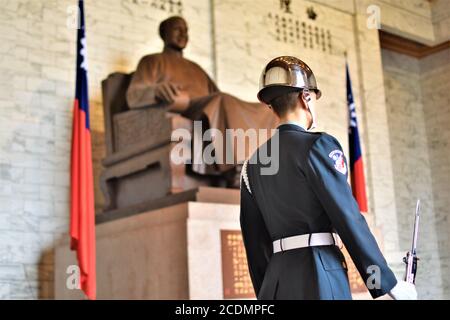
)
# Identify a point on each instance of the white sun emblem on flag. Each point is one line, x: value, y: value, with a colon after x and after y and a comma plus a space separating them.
x: 352, y: 115
x: 83, y: 53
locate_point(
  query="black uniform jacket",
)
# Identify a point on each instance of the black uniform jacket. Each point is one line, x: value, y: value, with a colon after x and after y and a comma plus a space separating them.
x: 308, y: 194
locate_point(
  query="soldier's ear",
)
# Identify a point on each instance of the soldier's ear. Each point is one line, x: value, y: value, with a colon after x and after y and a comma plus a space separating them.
x: 303, y: 101
x: 306, y: 95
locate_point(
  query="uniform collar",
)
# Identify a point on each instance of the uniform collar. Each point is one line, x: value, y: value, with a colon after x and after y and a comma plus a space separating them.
x: 291, y: 125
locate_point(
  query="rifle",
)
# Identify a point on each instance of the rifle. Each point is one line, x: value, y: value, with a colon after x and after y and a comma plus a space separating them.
x: 411, y: 256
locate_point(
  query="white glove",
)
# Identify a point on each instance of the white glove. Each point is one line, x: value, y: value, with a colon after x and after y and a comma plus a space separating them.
x: 403, y: 291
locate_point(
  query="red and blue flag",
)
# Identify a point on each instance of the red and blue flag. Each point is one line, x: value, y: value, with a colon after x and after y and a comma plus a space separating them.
x: 82, y: 212
x: 358, y: 180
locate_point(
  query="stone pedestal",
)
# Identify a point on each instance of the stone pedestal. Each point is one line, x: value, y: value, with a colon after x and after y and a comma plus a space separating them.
x: 170, y: 252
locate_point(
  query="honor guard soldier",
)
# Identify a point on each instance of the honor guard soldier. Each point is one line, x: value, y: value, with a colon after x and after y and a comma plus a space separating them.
x: 291, y: 220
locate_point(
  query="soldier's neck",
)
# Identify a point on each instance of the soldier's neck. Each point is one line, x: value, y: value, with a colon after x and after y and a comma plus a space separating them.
x: 173, y: 52
x: 296, y: 117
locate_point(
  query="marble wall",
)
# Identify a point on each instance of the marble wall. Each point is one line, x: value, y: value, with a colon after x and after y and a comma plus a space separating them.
x: 231, y: 40
x: 435, y: 80
x: 421, y: 20
x: 440, y: 15
x: 412, y: 167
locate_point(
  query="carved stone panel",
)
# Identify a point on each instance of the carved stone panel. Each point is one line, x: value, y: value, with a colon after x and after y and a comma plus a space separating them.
x: 236, y: 278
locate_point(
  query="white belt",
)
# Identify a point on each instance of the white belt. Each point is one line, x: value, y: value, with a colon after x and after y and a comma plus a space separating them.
x: 306, y: 240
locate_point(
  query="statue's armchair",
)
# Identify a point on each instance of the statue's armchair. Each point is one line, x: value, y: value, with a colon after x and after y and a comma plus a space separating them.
x: 137, y: 166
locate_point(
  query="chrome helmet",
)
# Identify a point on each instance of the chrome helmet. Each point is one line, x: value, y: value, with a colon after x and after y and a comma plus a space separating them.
x: 283, y: 75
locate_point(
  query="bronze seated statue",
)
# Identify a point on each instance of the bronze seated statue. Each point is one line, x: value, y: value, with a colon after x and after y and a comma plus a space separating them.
x: 142, y: 109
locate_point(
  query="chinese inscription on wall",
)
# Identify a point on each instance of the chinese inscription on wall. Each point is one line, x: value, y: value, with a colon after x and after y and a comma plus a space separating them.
x: 169, y: 6
x: 236, y: 279
x: 289, y: 29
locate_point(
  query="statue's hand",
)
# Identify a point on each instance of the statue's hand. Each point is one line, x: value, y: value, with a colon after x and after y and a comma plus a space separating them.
x: 181, y: 102
x: 166, y: 92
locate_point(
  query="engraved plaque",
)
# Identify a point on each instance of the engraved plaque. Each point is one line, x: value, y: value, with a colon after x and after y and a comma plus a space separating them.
x: 236, y: 278
x: 288, y: 29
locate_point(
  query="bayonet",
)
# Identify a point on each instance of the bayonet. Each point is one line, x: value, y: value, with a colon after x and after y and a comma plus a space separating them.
x: 411, y: 256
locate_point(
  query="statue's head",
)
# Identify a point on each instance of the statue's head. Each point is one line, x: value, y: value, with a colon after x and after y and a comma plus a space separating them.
x: 174, y: 32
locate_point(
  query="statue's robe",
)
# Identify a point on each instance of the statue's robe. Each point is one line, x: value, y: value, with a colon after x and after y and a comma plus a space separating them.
x: 223, y: 111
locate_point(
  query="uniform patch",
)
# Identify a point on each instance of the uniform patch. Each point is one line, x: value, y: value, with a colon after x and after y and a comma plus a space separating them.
x: 339, y: 162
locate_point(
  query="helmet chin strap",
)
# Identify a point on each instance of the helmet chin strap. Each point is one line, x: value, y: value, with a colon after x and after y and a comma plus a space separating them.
x: 307, y: 97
